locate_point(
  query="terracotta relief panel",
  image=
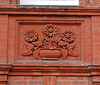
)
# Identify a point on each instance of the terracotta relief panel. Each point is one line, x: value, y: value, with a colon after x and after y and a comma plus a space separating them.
x: 48, y: 41
x: 51, y: 44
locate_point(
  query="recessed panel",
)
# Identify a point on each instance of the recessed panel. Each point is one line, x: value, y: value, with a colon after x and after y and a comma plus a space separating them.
x: 46, y: 40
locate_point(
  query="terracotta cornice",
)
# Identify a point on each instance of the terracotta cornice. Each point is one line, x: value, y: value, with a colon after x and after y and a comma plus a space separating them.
x: 50, y: 70
x: 85, y: 70
x: 95, y: 70
x: 4, y: 71
x: 88, y: 11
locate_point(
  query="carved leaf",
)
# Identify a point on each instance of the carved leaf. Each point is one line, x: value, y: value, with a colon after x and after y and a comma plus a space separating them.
x: 28, y: 45
x: 72, y: 53
x: 62, y: 43
x: 27, y: 52
x: 64, y: 54
x: 38, y: 43
x: 71, y: 46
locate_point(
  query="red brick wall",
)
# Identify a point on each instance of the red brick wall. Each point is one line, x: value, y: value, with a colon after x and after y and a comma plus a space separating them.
x: 96, y: 39
x: 3, y: 39
x: 37, y: 80
x: 94, y: 2
x: 26, y: 80
x: 16, y: 69
x: 74, y: 81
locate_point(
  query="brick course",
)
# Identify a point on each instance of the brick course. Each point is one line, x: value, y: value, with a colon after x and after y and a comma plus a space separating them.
x: 74, y: 81
x: 26, y: 80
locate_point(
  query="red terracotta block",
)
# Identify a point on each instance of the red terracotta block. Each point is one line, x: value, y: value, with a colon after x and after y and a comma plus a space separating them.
x: 58, y: 78
x: 2, y: 84
x: 79, y: 82
x: 80, y: 78
x: 89, y: 83
x: 10, y: 82
x: 40, y: 78
x: 49, y: 80
x: 64, y: 82
x: 95, y: 2
x: 96, y: 83
x: 19, y: 78
x: 88, y: 78
x: 13, y: 1
x: 71, y: 78
x: 11, y: 77
x: 27, y: 78
x: 5, y: 1
x: 18, y: 1
x: 3, y: 77
x: 34, y: 78
x: 64, y: 78
x: 20, y: 82
x: 36, y: 82
x: 86, y: 2
x: 96, y: 78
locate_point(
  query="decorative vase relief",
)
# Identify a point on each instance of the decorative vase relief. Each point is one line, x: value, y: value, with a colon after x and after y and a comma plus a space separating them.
x: 53, y: 46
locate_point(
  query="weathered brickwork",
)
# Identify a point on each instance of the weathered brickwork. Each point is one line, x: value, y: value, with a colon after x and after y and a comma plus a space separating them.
x: 74, y: 81
x: 25, y: 80
x: 3, y: 38
x: 49, y: 45
x: 96, y: 39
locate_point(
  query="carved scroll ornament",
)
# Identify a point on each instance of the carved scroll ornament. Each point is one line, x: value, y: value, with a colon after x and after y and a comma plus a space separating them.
x: 53, y: 46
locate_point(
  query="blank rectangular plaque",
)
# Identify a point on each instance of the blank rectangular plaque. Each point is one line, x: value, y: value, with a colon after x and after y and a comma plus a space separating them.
x: 50, y: 2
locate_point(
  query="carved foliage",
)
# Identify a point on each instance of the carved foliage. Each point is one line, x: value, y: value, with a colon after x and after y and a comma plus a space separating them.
x: 49, y: 31
x: 52, y: 46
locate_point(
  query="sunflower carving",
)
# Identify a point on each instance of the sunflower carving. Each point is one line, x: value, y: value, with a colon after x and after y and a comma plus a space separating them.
x: 31, y: 36
x: 68, y: 43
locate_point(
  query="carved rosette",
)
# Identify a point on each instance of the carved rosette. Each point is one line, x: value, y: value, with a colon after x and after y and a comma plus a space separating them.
x: 52, y: 47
